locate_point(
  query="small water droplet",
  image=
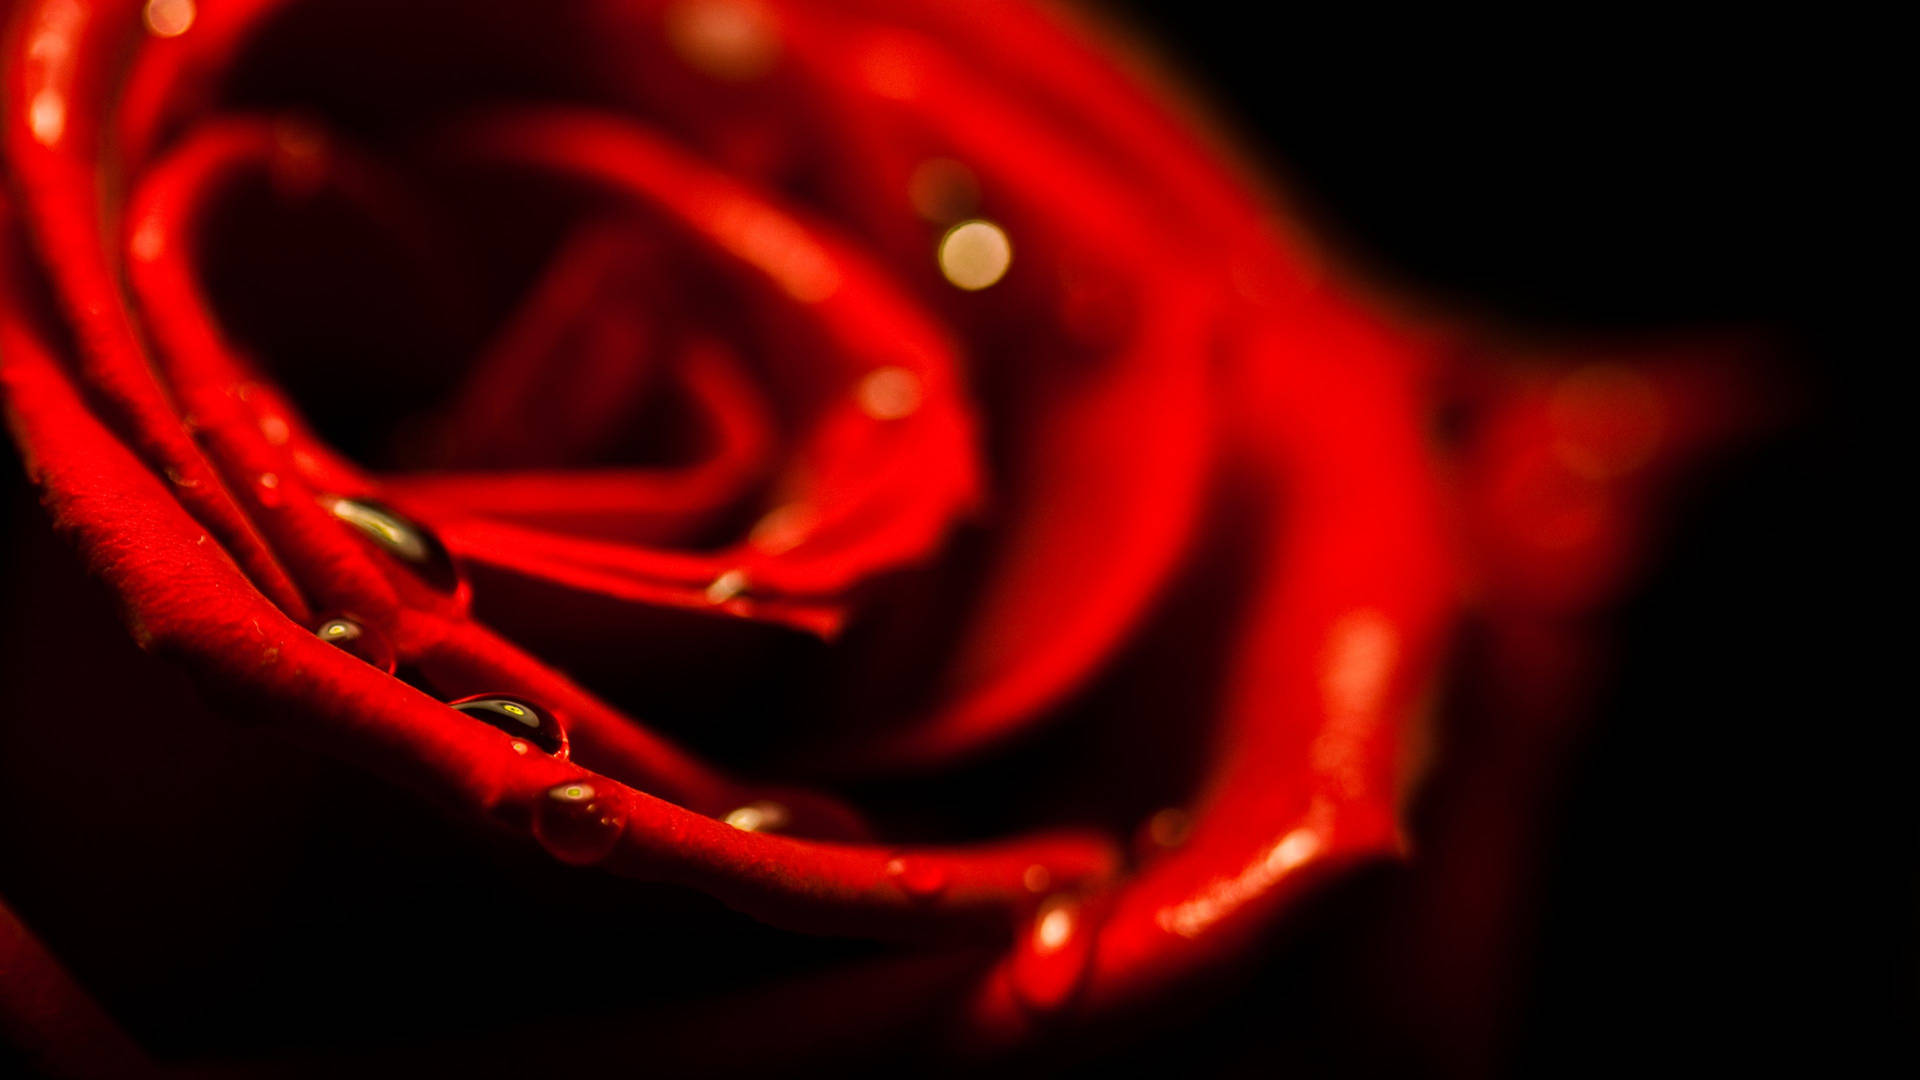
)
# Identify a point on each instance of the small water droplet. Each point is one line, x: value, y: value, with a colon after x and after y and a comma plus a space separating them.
x: 180, y: 479
x: 920, y: 879
x: 889, y: 393
x: 519, y: 718
x: 734, y: 40
x: 1037, y: 879
x: 578, y: 823
x: 269, y: 491
x: 762, y: 816
x: 1167, y: 829
x: 359, y: 639
x: 275, y: 429
x: 402, y: 537
x: 727, y: 586
x: 1052, y: 962
x: 783, y: 528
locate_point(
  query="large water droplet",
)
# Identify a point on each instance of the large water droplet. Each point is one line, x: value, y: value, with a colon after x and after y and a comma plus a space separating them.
x: 359, y: 639
x: 517, y: 717
x: 728, y: 586
x: 1051, y: 964
x: 399, y: 535
x: 763, y: 816
x: 578, y: 823
x: 920, y: 879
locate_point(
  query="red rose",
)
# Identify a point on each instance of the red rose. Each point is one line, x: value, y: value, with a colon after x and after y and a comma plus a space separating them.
x: 856, y: 391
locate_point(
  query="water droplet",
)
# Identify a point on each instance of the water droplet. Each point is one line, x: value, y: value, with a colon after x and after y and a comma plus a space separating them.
x: 1037, y: 879
x: 168, y: 18
x: 578, y: 823
x: 727, y: 586
x: 519, y: 718
x: 1168, y: 828
x: 180, y: 479
x: 275, y: 429
x: 269, y: 492
x: 784, y: 528
x: 975, y: 254
x: 920, y: 879
x: 762, y: 816
x: 889, y: 393
x: 406, y: 540
x: 734, y: 40
x: 359, y: 639
x: 1052, y: 962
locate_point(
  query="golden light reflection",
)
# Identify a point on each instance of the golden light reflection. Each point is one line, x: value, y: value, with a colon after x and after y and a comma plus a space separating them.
x: 783, y: 528
x: 975, y: 254
x: 1221, y: 897
x: 47, y: 116
x: 758, y: 817
x: 734, y: 40
x: 727, y: 586
x: 889, y: 393
x: 1054, y: 928
x: 168, y: 18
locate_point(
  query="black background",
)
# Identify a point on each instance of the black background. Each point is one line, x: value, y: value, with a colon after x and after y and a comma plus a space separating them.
x: 1730, y: 872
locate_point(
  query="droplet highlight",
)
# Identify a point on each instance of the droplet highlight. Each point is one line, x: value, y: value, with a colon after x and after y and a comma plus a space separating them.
x: 889, y: 393
x: 47, y: 116
x: 784, y: 528
x: 728, y: 586
x: 1037, y: 879
x: 401, y: 537
x: 168, y: 18
x: 360, y: 640
x: 578, y: 823
x: 1167, y: 829
x: 762, y: 816
x: 519, y: 718
x: 975, y: 254
x: 921, y: 879
x: 731, y: 40
x: 1051, y: 963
